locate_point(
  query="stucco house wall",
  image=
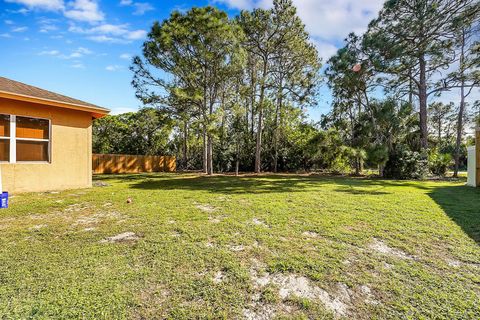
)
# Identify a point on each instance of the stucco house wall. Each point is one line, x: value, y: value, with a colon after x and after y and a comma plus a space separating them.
x: 70, y: 163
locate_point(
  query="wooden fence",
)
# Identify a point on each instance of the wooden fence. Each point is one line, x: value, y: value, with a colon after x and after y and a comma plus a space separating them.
x: 119, y: 163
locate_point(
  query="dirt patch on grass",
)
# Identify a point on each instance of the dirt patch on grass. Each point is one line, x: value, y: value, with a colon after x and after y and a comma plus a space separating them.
x: 209, y: 245
x: 259, y: 222
x: 381, y: 247
x: 310, y: 234
x: 219, y: 277
x: 215, y: 220
x: 37, y: 227
x: 87, y: 221
x: 122, y: 237
x: 237, y: 248
x: 337, y: 298
x: 259, y: 311
x: 292, y: 285
x: 206, y: 208
x: 77, y: 207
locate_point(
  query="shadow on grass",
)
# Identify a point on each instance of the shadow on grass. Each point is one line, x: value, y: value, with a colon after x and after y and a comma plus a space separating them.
x: 462, y: 205
x: 232, y: 184
x: 254, y: 184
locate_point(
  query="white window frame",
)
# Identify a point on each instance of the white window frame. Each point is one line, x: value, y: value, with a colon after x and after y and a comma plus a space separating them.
x: 13, y: 140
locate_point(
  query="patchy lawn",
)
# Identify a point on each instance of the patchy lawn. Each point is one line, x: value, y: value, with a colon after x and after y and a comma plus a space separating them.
x: 242, y: 248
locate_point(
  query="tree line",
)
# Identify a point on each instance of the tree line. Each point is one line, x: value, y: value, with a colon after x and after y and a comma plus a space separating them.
x: 231, y: 94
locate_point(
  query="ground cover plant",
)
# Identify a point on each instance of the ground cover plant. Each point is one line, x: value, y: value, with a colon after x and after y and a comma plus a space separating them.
x: 251, y: 247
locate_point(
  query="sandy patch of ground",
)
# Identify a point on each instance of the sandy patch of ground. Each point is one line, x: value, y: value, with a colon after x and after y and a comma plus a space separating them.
x: 339, y: 299
x: 310, y: 234
x: 219, y: 277
x: 206, y: 208
x: 125, y: 236
x: 237, y: 248
x: 38, y: 227
x: 97, y: 217
x: 214, y: 220
x: 259, y: 222
x: 381, y: 247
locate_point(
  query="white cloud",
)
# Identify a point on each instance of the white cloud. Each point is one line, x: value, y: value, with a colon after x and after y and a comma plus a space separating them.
x: 113, y: 68
x: 83, y: 50
x: 50, y: 5
x: 8, y: 21
x: 107, y: 39
x: 142, y: 7
x: 78, y: 53
x: 126, y: 56
x: 78, y: 66
x: 5, y: 35
x: 85, y: 10
x: 324, y: 18
x: 112, y: 33
x: 20, y: 29
x: 48, y: 28
x: 47, y: 25
x: 328, y: 22
x: 75, y: 54
x: 49, y: 53
x: 136, y: 35
x: 325, y: 49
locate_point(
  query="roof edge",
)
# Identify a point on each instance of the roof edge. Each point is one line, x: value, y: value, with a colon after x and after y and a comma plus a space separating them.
x: 97, y: 112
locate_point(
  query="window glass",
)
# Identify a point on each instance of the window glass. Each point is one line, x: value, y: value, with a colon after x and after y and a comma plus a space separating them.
x: 4, y: 150
x: 4, y: 125
x: 32, y: 150
x: 32, y: 128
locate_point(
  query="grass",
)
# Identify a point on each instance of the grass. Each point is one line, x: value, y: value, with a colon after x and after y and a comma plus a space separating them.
x: 380, y: 249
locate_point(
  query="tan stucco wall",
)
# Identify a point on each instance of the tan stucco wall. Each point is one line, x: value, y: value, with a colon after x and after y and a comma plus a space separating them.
x: 71, y: 151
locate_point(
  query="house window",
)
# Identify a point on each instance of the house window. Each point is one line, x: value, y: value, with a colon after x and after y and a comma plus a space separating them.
x: 32, y: 137
x: 24, y: 139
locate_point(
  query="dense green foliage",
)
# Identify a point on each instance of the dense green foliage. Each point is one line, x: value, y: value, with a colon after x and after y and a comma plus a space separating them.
x: 404, y: 56
x: 146, y: 132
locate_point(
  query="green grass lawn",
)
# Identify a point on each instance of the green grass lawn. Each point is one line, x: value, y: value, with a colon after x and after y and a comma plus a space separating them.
x: 301, y: 247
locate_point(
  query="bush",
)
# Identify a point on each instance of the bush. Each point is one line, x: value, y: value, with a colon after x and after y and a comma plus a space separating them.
x: 405, y: 164
x: 438, y: 163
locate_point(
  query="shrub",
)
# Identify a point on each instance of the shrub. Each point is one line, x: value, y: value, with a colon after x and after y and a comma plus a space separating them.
x: 438, y: 163
x: 405, y: 164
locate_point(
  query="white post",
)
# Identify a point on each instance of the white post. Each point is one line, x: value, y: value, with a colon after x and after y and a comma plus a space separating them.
x: 13, y: 133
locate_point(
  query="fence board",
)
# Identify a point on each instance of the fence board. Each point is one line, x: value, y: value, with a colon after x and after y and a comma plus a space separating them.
x: 121, y: 163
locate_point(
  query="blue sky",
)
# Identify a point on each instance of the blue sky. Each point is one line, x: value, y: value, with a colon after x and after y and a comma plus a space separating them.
x: 83, y: 48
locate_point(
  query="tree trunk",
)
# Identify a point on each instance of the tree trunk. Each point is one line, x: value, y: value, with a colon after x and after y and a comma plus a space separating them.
x: 210, y: 143
x: 258, y: 147
x: 422, y: 97
x: 237, y: 161
x: 461, y: 110
x: 209, y: 154
x: 275, y: 133
x: 205, y: 160
x: 185, y: 145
